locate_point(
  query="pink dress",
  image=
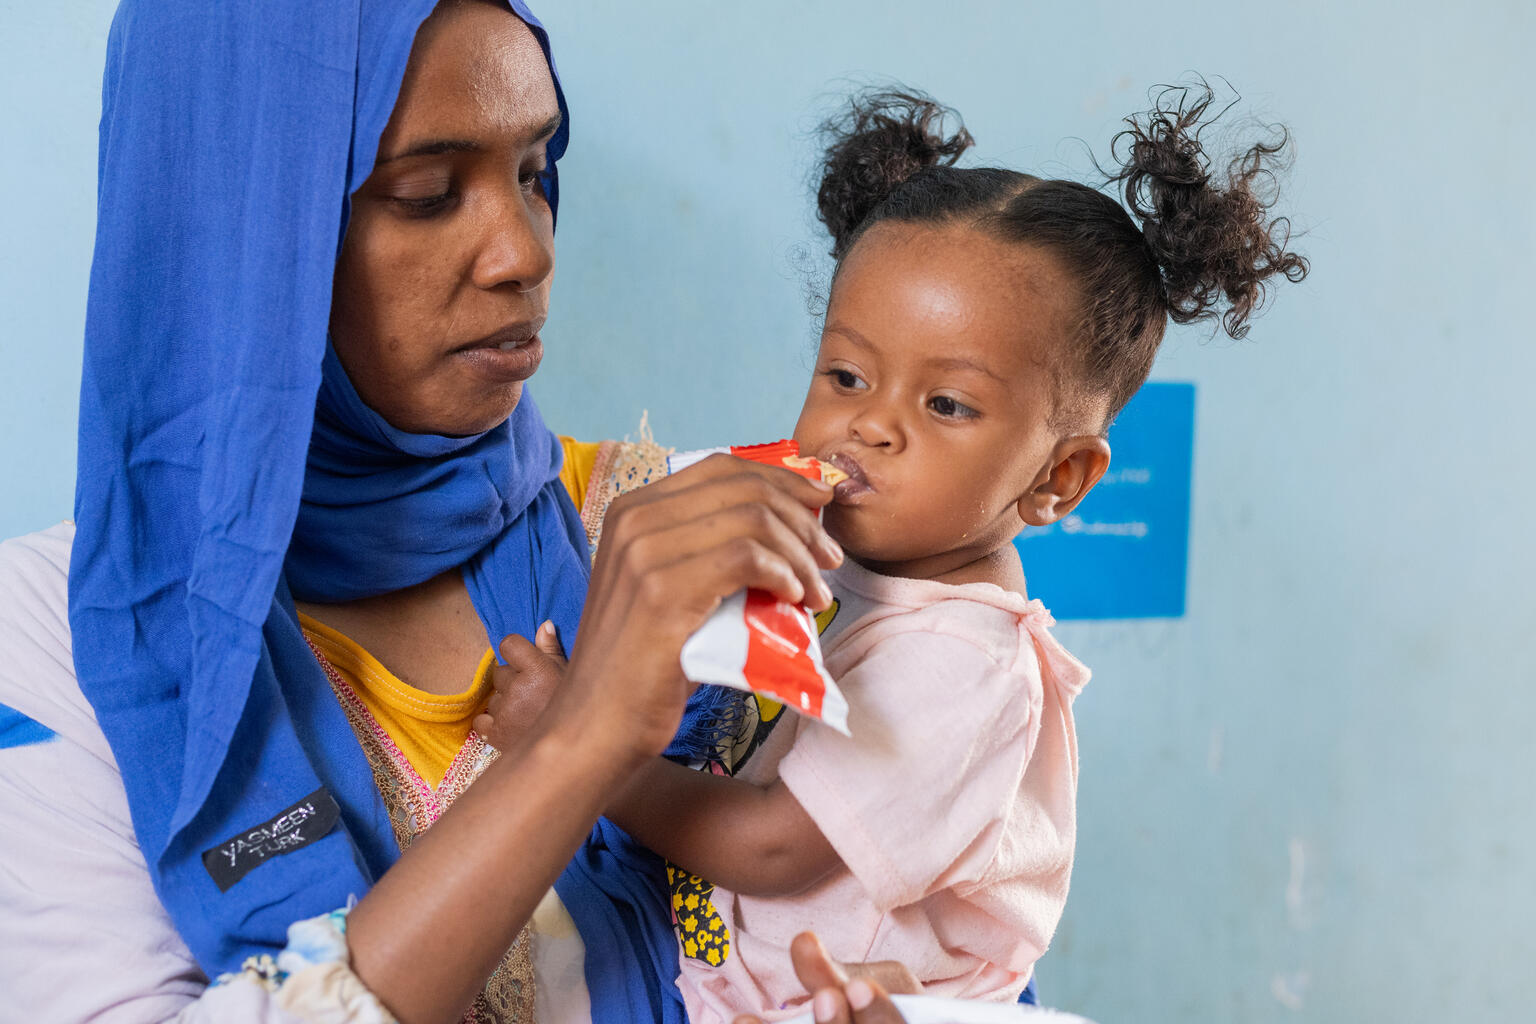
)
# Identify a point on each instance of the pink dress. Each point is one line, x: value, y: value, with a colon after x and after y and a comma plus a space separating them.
x: 952, y: 806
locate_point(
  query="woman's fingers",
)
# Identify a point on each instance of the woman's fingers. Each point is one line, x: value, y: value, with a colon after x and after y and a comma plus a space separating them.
x: 731, y: 484
x: 749, y: 541
x: 671, y: 552
x: 716, y: 468
x: 695, y: 585
x: 760, y: 514
x: 729, y: 500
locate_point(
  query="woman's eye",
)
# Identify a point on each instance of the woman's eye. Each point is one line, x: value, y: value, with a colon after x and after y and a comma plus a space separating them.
x: 949, y: 408
x: 425, y: 206
x: 529, y: 177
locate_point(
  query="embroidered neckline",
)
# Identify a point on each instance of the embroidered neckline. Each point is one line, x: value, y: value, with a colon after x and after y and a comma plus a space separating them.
x: 413, y: 806
x: 429, y: 801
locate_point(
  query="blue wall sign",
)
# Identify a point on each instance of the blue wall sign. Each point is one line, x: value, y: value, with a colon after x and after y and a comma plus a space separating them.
x: 1123, y: 553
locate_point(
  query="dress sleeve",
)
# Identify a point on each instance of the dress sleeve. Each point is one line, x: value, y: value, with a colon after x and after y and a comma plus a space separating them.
x: 613, y: 468
x: 82, y: 934
x: 917, y: 799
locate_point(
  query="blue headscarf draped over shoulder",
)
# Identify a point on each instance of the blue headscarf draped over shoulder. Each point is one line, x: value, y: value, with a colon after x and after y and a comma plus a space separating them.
x: 232, y: 136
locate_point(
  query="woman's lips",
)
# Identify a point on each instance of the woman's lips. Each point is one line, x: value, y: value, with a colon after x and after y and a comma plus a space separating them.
x: 850, y: 491
x: 508, y: 356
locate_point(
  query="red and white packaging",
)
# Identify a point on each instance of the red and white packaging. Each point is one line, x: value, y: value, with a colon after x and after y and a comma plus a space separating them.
x: 756, y: 642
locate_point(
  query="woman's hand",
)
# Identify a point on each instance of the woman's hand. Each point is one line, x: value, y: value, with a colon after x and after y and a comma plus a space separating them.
x: 522, y: 687
x: 858, y: 995
x: 671, y: 552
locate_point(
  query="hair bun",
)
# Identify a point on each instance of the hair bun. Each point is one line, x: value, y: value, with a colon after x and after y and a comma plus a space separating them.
x: 1212, y: 239
x: 882, y: 139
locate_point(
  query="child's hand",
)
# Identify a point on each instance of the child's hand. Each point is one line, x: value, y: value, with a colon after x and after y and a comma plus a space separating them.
x: 837, y: 999
x: 522, y: 686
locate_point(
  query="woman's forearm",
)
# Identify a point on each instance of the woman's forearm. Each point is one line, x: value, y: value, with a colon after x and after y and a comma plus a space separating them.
x: 427, y: 936
x: 434, y: 928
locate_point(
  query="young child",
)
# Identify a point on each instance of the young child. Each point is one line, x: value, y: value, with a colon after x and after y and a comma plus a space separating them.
x: 984, y: 328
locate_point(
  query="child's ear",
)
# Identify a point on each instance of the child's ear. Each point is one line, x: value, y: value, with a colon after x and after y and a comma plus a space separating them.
x: 1076, y: 465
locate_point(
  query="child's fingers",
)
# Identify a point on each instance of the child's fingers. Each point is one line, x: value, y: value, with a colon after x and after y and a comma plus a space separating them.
x: 870, y: 1003
x: 891, y: 975
x: 835, y: 999
x: 517, y: 652
x: 815, y: 969
x: 483, y: 723
x: 829, y: 1006
x: 523, y: 686
x: 522, y: 656
x: 547, y: 640
x: 859, y: 1002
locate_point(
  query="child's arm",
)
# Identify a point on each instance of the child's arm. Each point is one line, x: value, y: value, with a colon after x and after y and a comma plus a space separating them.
x: 749, y: 839
x: 753, y: 840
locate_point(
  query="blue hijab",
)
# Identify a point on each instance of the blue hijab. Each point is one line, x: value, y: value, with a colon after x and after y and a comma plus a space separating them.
x: 232, y: 136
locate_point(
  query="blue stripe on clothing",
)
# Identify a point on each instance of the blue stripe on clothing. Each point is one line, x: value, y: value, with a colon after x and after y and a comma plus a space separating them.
x: 17, y: 730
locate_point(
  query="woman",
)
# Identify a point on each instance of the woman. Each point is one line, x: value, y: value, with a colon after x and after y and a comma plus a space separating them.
x: 382, y: 175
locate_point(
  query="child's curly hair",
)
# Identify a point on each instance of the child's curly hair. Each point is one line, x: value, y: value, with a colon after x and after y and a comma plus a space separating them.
x: 1200, y: 247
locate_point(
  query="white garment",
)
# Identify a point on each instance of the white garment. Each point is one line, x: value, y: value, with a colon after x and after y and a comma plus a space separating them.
x: 82, y: 934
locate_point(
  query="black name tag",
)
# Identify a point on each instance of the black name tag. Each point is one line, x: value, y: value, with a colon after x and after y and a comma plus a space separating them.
x: 292, y: 828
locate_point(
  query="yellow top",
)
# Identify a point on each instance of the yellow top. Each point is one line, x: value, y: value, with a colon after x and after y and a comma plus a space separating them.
x: 579, y: 461
x: 429, y: 728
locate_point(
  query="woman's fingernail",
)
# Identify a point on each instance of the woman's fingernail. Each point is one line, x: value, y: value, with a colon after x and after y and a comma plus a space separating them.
x: 832, y: 548
x: 824, y: 1006
x: 546, y: 627
x: 824, y: 592
x: 860, y: 995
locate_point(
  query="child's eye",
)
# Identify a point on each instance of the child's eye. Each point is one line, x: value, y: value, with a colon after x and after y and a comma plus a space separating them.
x: 845, y: 379
x: 950, y: 409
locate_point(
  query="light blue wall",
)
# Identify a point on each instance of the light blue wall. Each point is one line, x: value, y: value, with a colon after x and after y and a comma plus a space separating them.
x: 1311, y: 799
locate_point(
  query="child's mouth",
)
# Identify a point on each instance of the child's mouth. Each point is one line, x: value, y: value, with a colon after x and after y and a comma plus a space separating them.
x: 856, y: 485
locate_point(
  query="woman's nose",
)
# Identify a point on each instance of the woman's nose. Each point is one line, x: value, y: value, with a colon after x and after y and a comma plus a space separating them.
x: 517, y: 249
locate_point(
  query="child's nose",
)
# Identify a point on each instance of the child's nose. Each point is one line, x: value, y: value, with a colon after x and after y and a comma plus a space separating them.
x: 878, y: 427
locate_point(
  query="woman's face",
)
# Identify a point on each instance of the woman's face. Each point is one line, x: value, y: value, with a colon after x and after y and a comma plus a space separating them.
x: 443, y: 280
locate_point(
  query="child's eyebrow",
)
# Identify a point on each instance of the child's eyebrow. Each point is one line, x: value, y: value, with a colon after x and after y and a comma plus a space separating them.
x: 851, y: 334
x: 961, y: 363
x: 938, y: 362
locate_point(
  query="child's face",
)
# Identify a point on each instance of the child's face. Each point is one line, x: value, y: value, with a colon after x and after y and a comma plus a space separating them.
x: 935, y: 389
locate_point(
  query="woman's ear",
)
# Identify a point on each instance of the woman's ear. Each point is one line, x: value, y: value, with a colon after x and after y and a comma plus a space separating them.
x: 1077, y: 463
